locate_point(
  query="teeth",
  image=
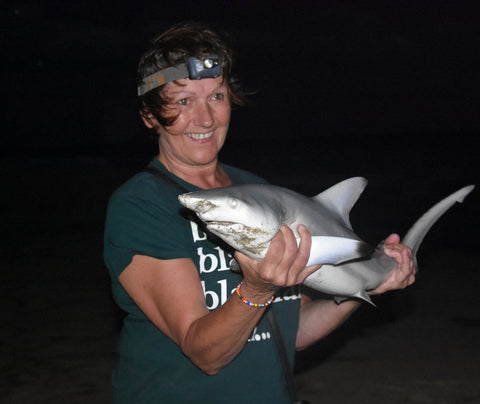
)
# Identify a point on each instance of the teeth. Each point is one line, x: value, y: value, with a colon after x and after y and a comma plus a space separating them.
x: 200, y: 136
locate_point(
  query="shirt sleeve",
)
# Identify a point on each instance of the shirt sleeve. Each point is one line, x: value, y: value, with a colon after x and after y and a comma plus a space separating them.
x: 143, y: 221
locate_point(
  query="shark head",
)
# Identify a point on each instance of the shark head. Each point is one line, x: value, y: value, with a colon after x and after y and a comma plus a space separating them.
x: 235, y: 215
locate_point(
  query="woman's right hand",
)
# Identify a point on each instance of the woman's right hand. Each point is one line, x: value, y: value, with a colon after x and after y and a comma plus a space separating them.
x: 284, y: 265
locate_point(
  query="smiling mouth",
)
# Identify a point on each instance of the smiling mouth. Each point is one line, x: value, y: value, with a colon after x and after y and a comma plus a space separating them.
x: 200, y: 136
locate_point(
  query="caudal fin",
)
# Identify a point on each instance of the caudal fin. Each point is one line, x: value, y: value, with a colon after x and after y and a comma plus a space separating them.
x: 417, y: 232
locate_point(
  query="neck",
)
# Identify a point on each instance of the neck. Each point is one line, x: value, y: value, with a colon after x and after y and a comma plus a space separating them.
x: 206, y: 176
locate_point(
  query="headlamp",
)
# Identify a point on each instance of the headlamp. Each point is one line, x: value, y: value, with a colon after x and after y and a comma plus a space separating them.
x: 205, y: 67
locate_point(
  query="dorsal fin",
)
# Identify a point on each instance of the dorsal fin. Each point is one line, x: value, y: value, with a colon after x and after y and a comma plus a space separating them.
x: 341, y: 197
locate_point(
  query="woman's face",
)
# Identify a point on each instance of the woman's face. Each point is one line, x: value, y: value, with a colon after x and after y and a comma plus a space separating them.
x: 202, y: 108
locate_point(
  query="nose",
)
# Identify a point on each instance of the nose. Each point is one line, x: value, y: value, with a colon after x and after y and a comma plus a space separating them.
x: 204, y: 115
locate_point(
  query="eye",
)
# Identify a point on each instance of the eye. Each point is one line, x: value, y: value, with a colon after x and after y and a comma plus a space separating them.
x: 218, y: 96
x: 183, y: 101
x: 233, y: 203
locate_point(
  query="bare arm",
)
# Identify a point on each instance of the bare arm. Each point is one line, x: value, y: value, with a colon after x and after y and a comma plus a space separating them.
x: 319, y: 318
x: 170, y: 294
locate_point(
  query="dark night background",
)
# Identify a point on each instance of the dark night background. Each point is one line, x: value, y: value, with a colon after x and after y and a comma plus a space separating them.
x: 384, y: 89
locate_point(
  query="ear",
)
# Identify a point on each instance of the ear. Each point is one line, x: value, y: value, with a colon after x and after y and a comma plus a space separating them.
x: 149, y: 120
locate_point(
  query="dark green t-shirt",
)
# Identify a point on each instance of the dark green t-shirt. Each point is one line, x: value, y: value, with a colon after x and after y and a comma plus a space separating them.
x: 144, y: 217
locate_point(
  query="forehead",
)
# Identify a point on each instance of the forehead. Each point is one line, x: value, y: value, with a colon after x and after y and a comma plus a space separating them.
x: 202, y: 86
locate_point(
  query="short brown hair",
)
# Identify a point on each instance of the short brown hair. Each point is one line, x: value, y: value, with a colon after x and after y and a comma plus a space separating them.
x: 174, y: 47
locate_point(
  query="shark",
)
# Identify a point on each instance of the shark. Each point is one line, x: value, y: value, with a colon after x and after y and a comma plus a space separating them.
x: 248, y: 216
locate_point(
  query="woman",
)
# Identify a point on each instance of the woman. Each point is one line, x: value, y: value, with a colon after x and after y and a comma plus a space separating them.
x: 196, y: 331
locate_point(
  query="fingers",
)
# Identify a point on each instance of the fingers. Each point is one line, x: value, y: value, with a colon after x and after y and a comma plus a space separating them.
x: 404, y: 257
x: 298, y: 254
x: 303, y: 255
x: 404, y: 274
x: 279, y: 255
x: 401, y: 253
x: 285, y: 261
x: 280, y: 263
x: 392, y: 239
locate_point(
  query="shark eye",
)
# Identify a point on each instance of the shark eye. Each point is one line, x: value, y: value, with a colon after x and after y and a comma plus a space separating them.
x: 233, y: 203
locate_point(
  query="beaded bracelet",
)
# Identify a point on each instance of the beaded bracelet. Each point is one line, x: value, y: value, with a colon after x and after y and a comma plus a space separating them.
x: 269, y: 301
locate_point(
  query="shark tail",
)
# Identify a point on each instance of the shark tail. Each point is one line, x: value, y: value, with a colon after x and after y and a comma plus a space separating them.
x: 417, y: 232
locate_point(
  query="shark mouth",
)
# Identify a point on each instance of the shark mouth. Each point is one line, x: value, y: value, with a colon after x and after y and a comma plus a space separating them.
x: 252, y: 240
x: 219, y: 223
x: 227, y: 228
x: 235, y: 227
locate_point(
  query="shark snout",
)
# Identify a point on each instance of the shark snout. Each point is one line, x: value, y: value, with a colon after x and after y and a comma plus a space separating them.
x: 199, y: 205
x: 184, y: 200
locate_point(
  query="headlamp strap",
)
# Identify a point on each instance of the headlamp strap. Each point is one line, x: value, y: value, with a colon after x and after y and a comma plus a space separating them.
x: 162, y: 77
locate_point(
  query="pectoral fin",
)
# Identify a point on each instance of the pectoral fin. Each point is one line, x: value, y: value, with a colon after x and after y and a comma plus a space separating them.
x: 335, y: 250
x: 360, y: 295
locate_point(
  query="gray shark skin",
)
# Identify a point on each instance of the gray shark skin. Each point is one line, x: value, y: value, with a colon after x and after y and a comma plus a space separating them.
x: 247, y: 217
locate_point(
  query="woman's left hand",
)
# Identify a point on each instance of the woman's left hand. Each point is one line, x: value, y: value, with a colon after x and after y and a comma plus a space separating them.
x: 404, y: 274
